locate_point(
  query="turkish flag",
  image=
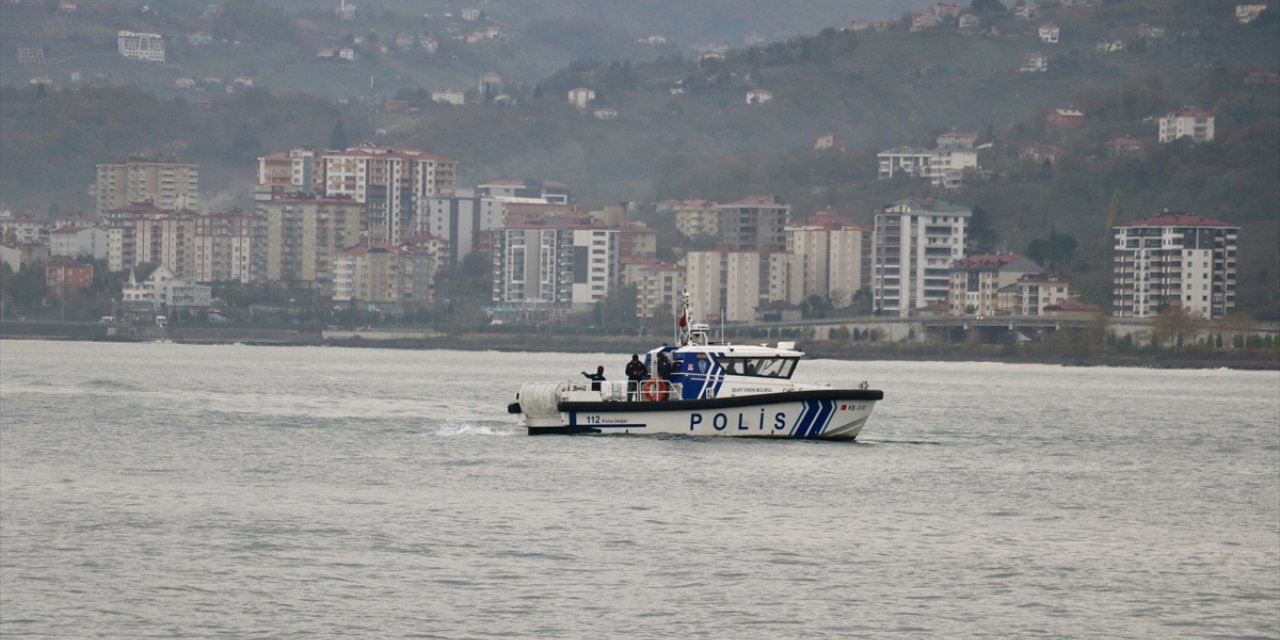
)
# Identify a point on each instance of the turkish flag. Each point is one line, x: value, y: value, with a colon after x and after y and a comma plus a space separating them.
x: 683, y: 321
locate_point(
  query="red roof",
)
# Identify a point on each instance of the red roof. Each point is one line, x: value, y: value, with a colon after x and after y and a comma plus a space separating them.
x: 1191, y: 113
x: 1173, y: 219
x: 1072, y: 304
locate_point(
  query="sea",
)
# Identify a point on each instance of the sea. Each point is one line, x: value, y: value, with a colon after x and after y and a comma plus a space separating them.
x: 183, y: 491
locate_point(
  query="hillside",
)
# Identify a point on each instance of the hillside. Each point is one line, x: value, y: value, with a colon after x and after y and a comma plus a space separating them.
x: 684, y: 128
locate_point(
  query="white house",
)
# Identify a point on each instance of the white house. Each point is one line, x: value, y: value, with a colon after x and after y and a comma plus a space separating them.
x: 759, y: 96
x: 1187, y: 123
x: 449, y: 96
x: 581, y: 97
x: 1049, y: 33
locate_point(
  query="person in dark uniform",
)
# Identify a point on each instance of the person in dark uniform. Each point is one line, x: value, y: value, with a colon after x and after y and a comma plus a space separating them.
x: 636, y: 371
x: 595, y: 378
x: 664, y: 374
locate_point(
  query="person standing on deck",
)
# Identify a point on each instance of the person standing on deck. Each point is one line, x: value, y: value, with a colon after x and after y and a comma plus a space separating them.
x: 636, y: 371
x: 595, y: 378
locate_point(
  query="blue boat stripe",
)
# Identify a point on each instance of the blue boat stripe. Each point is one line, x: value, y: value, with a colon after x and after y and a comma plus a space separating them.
x: 799, y: 420
x: 828, y: 411
x: 811, y: 409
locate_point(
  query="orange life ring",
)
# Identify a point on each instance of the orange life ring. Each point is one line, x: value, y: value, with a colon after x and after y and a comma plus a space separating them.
x: 654, y: 390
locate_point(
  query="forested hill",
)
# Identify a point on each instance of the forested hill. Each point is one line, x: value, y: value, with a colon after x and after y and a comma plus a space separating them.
x: 684, y: 128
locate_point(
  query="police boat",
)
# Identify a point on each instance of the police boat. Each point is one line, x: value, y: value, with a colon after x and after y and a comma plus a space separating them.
x: 710, y: 389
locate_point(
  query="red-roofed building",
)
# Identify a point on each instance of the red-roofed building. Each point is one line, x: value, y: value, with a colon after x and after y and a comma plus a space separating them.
x: 78, y: 241
x: 1040, y: 152
x: 1123, y: 145
x: 1175, y: 259
x: 1072, y: 308
x: 976, y: 281
x: 1066, y: 117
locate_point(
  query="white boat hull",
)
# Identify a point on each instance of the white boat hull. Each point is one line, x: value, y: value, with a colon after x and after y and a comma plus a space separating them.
x: 827, y: 414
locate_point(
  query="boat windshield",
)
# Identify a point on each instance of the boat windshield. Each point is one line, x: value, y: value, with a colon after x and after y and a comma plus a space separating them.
x: 759, y: 367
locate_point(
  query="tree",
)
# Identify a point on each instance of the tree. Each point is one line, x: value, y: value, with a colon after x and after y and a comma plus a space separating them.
x: 1174, y: 322
x: 987, y: 6
x: 981, y: 233
x: 1055, y: 252
x: 338, y: 139
x: 1115, y: 210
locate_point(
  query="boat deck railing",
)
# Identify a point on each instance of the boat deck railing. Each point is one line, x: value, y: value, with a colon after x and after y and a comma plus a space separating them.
x: 622, y: 390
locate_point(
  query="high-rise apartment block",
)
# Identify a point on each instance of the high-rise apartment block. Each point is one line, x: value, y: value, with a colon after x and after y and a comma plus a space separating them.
x: 831, y: 257
x: 1173, y: 259
x: 976, y: 282
x: 459, y: 218
x: 393, y: 184
x: 753, y: 223
x: 728, y: 285
x: 556, y: 266
x: 165, y: 183
x: 228, y: 247
x: 302, y: 233
x: 916, y: 242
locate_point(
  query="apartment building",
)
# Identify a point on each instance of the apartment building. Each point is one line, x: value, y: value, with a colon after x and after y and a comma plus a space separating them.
x: 830, y: 256
x: 943, y: 168
x: 1172, y: 259
x: 695, y: 218
x: 1033, y: 293
x: 658, y: 288
x: 165, y: 183
x: 753, y: 223
x: 916, y: 242
x: 64, y: 276
x: 1187, y: 123
x: 78, y: 241
x: 393, y: 184
x: 384, y: 277
x: 555, y: 266
x: 140, y: 46
x: 976, y: 282
x: 460, y: 217
x: 289, y: 172
x: 727, y: 285
x: 229, y: 247
x: 550, y: 191
x: 301, y: 235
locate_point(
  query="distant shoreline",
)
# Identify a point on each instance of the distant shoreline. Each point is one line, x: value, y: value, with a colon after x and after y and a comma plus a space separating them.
x: 1251, y: 360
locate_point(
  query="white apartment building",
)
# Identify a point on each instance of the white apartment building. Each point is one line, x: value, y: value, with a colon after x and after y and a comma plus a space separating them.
x: 829, y: 256
x: 78, y: 241
x: 1175, y: 259
x: 943, y: 167
x: 554, y: 266
x: 167, y: 184
x: 1187, y: 123
x: 976, y: 282
x: 916, y: 242
x: 728, y: 285
x: 459, y: 218
x: 393, y: 184
x: 141, y: 46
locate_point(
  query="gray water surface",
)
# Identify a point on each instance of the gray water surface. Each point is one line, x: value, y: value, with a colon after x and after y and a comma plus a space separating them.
x: 168, y: 490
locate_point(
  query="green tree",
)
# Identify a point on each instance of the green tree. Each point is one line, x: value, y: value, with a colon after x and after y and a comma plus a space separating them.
x: 338, y: 138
